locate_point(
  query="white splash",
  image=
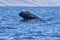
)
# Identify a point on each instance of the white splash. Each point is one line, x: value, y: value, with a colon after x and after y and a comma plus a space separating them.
x: 29, y: 2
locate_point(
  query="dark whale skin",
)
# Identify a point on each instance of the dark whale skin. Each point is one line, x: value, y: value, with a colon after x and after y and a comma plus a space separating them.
x: 27, y: 15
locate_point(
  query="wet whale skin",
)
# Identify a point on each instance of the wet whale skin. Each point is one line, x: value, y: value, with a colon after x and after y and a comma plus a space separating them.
x: 27, y: 15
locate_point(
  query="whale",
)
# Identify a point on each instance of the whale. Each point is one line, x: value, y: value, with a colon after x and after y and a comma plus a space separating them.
x: 27, y: 15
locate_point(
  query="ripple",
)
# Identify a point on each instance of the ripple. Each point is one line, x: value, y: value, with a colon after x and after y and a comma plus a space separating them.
x: 28, y: 38
x: 2, y: 39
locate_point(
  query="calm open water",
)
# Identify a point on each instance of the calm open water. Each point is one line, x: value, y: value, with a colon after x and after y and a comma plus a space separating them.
x: 13, y: 28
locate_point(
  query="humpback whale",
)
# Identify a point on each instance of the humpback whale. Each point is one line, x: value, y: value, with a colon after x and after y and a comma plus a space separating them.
x: 27, y: 15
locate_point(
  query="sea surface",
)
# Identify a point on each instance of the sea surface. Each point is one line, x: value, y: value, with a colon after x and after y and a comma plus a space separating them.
x: 12, y: 26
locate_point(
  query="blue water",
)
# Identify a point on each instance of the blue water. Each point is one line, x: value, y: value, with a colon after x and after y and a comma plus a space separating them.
x: 13, y: 28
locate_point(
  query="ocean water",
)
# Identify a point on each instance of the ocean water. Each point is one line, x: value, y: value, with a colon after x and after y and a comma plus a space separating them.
x: 12, y: 26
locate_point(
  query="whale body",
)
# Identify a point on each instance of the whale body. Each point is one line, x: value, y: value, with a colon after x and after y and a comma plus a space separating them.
x: 27, y: 15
